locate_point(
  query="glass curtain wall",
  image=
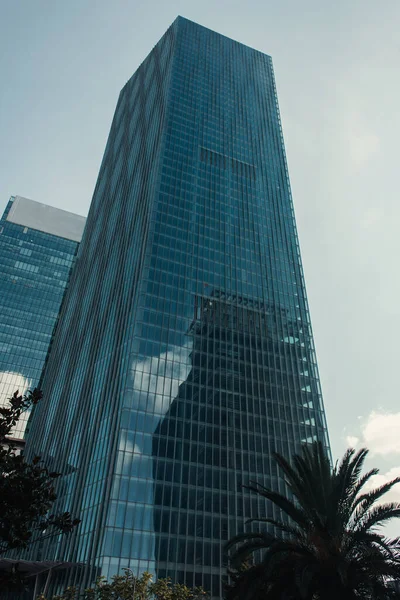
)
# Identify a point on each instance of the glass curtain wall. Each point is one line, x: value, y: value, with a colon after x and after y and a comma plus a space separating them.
x: 185, y: 347
x: 34, y: 272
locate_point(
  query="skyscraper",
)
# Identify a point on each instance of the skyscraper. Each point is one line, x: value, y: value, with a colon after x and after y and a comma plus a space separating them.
x: 37, y: 248
x: 184, y: 355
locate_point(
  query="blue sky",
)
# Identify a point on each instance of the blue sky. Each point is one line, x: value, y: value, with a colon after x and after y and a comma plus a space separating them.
x: 62, y: 65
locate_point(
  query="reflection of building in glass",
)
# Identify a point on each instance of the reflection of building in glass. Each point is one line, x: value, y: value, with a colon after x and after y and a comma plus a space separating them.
x: 37, y: 248
x: 220, y: 431
x: 184, y: 348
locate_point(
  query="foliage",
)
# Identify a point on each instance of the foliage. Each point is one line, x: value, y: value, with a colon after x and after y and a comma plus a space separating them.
x: 129, y: 587
x: 26, y: 489
x: 327, y: 543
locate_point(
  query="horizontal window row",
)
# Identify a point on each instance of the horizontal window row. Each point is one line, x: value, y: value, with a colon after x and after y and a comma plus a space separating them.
x: 182, y: 498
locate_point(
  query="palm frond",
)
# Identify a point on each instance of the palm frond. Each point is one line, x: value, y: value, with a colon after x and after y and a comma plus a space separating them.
x: 244, y: 552
x: 365, y: 501
x: 248, y: 585
x: 296, y: 479
x: 329, y: 546
x: 287, y: 548
x: 303, y: 576
x: 352, y: 499
x: 284, y: 527
x: 296, y: 514
x: 309, y: 480
x: 244, y: 537
x: 359, y: 540
x: 377, y: 516
x: 349, y: 471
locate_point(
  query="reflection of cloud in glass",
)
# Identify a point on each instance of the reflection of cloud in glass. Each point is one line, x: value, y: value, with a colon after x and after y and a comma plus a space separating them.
x: 156, y: 380
x: 129, y: 447
x: 11, y: 382
x: 153, y: 384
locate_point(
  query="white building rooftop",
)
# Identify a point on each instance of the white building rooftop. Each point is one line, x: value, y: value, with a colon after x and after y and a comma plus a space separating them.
x: 46, y: 218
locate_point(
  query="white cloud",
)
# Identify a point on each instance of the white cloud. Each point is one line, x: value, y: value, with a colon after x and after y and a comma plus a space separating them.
x: 362, y: 146
x: 377, y: 480
x: 360, y: 134
x: 371, y: 218
x: 381, y: 433
x: 352, y: 440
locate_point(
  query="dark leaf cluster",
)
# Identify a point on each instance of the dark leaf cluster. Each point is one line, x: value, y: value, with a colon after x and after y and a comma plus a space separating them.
x: 129, y: 587
x: 27, y: 491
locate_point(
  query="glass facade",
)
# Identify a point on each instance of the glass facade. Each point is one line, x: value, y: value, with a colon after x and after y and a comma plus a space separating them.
x: 34, y: 271
x: 184, y: 349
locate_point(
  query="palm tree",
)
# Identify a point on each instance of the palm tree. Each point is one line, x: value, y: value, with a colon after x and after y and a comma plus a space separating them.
x: 327, y: 544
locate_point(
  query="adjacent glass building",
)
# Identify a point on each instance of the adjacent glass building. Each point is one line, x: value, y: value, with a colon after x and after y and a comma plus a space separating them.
x: 184, y: 356
x: 38, y: 244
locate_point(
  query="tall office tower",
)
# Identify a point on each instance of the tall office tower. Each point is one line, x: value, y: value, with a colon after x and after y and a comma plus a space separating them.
x: 37, y: 247
x: 184, y: 356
